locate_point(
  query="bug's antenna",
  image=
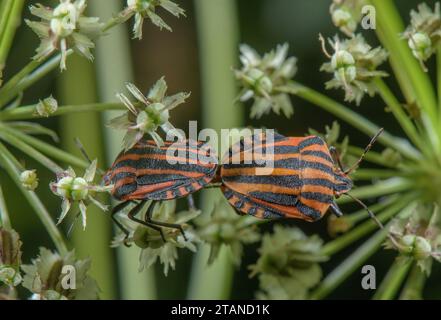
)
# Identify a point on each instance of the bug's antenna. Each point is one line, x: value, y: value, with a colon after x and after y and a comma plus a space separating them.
x: 84, y: 153
x: 371, y: 214
x: 366, y: 150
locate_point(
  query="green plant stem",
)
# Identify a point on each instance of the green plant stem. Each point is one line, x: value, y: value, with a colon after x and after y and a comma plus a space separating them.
x: 349, y: 265
x: 46, y: 148
x: 394, y: 278
x: 362, y: 214
x: 77, y: 86
x: 27, y: 76
x: 438, y: 77
x: 7, y: 31
x: 218, y: 53
x: 401, y: 116
x: 371, y: 156
x: 5, y: 9
x: 413, y: 289
x: 356, y: 259
x: 369, y: 174
x: 8, y: 162
x: 384, y: 187
x: 5, y: 221
x: 413, y: 81
x: 33, y: 153
x: 132, y: 284
x: 353, y: 119
x: 357, y: 233
x: 28, y: 112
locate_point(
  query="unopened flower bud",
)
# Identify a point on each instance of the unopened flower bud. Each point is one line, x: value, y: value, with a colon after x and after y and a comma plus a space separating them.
x: 421, y: 45
x: 47, y: 107
x: 341, y: 18
x: 29, y: 179
x: 10, y: 276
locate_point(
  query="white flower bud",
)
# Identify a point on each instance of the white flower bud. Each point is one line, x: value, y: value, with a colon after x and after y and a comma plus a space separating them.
x: 341, y: 17
x: 29, y: 179
x: 421, y: 45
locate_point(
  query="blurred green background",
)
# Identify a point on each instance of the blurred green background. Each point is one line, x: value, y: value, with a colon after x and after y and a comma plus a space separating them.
x: 190, y: 58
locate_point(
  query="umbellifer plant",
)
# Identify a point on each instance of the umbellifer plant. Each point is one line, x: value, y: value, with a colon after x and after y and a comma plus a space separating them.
x: 405, y: 180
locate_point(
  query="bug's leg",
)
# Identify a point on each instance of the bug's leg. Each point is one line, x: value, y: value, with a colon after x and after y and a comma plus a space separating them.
x: 149, y: 219
x: 115, y: 210
x: 335, y: 209
x: 336, y: 157
x: 135, y: 211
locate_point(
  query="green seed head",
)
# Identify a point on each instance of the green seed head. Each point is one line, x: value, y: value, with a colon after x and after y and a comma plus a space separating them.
x: 79, y: 189
x: 64, y: 187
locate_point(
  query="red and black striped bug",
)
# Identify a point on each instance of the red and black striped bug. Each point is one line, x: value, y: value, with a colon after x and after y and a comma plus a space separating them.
x: 306, y: 178
x: 148, y: 172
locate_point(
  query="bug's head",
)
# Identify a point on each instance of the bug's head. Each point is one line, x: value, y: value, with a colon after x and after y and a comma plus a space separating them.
x: 343, y: 183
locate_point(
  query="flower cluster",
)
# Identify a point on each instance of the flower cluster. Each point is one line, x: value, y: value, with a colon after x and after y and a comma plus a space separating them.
x: 55, y: 277
x: 65, y: 27
x: 78, y: 189
x: 151, y: 242
x: 288, y: 264
x: 148, y: 114
x: 142, y: 9
x: 346, y: 14
x: 424, y: 32
x: 10, y: 257
x: 418, y: 236
x: 354, y: 65
x: 264, y: 79
x: 225, y: 227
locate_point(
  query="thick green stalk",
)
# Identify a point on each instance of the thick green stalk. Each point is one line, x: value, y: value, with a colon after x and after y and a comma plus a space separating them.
x: 406, y: 67
x: 400, y: 115
x: 7, y: 31
x: 5, y: 221
x: 46, y: 148
x: 8, y: 162
x: 77, y: 86
x: 413, y: 289
x: 354, y: 119
x: 5, y: 9
x: 394, y: 279
x: 360, y: 231
x: 33, y: 153
x: 113, y: 68
x: 218, y: 53
x: 28, y: 112
x: 438, y: 77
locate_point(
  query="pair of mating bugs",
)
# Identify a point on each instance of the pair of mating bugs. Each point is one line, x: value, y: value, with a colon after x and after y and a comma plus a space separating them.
x: 305, y: 179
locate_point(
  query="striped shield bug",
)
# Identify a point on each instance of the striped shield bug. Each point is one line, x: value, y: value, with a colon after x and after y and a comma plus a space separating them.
x: 148, y: 172
x: 306, y: 178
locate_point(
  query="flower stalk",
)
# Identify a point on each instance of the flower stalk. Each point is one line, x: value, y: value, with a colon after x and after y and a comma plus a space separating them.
x: 9, y: 163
